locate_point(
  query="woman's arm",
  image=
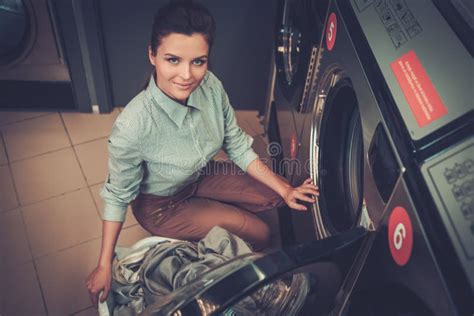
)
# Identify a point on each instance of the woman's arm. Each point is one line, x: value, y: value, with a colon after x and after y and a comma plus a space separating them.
x: 258, y: 170
x: 101, y: 278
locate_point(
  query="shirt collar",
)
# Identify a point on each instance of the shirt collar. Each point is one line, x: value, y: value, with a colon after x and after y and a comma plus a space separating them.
x: 175, y: 110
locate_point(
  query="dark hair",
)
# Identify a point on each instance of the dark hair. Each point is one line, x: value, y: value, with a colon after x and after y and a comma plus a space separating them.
x: 184, y: 17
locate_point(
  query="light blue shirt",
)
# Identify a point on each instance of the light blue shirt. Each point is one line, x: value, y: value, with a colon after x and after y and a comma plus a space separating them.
x: 158, y: 146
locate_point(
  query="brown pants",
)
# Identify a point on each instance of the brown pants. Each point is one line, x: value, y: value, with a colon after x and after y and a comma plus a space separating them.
x: 223, y: 196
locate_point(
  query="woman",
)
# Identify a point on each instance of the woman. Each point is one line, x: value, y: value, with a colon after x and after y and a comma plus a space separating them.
x: 162, y: 144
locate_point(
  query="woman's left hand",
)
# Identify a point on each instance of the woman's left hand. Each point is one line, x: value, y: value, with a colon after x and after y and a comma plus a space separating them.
x: 301, y: 193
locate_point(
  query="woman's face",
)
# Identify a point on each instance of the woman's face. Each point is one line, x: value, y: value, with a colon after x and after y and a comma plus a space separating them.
x: 180, y: 63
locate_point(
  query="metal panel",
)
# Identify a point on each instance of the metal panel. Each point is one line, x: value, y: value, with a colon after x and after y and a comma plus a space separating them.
x: 450, y: 179
x: 396, y: 27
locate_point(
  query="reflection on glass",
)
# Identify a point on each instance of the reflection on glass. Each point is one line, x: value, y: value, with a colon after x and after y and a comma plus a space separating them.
x: 285, y: 296
x: 13, y: 27
x: 15, y: 6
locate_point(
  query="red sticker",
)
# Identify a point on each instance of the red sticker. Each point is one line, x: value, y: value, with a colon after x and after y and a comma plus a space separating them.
x: 331, y: 31
x: 420, y: 93
x: 400, y: 235
x: 293, y: 143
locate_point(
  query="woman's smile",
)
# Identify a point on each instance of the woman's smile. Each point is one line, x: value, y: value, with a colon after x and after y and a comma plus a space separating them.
x: 180, y: 64
x: 184, y: 86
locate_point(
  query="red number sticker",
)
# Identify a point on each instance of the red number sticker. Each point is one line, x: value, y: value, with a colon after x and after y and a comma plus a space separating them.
x: 400, y: 235
x: 331, y: 31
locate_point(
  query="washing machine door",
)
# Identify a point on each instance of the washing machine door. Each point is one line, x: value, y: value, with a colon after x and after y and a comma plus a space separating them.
x: 17, y: 31
x: 258, y: 284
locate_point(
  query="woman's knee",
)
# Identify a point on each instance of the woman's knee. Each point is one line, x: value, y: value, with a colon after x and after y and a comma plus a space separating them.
x: 262, y: 240
x: 257, y: 233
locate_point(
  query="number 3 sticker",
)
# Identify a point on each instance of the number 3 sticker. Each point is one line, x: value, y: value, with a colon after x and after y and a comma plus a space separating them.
x: 400, y: 235
x: 331, y: 31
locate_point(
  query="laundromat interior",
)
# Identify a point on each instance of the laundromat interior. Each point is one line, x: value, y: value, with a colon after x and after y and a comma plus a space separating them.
x: 371, y: 99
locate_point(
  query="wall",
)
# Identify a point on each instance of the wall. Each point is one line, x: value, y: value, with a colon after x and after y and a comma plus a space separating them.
x: 240, y: 56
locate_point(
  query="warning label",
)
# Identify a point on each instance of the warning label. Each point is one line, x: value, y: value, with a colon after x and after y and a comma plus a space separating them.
x: 420, y: 93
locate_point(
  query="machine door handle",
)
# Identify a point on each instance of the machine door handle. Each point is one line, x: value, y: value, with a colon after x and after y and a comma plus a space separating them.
x: 383, y: 164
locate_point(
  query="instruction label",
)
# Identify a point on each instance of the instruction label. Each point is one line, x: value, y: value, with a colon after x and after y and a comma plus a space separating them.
x: 398, y: 20
x: 420, y: 93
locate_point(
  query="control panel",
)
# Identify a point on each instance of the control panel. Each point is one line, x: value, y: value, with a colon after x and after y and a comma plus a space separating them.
x: 450, y: 178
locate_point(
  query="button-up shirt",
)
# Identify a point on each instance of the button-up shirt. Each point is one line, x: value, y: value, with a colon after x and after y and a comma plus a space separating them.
x: 158, y: 145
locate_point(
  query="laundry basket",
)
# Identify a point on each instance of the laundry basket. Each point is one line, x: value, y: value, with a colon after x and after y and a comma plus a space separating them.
x: 106, y: 308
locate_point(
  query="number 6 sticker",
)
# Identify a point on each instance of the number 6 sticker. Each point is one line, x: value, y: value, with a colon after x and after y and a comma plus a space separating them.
x: 400, y: 235
x: 331, y: 31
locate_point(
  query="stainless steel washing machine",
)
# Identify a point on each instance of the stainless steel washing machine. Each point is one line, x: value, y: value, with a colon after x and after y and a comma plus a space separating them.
x: 387, y: 132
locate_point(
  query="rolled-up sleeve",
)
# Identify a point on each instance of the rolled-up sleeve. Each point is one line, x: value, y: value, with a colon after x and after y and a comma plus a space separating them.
x: 125, y: 171
x: 237, y: 144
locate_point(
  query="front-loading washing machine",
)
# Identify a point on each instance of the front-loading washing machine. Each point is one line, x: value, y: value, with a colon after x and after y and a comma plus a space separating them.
x: 51, y: 56
x: 387, y: 133
x: 31, y: 59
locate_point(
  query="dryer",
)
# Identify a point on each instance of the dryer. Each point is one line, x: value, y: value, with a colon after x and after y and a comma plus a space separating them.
x: 51, y: 56
x: 31, y: 57
x: 388, y: 133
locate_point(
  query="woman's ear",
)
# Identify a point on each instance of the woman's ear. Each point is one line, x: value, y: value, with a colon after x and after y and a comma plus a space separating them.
x: 151, y: 57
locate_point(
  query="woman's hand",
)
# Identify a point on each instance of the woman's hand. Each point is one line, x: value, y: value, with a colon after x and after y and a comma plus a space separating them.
x: 99, y: 280
x: 292, y: 195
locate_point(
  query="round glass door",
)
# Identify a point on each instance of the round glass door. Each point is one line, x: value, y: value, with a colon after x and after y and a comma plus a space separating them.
x: 16, y: 30
x: 285, y: 281
x: 337, y: 157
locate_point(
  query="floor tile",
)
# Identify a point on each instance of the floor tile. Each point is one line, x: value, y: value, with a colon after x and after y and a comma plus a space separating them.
x: 36, y: 136
x: 93, y: 158
x: 131, y: 235
x: 61, y: 222
x: 62, y: 276
x: 7, y: 117
x: 3, y: 153
x: 8, y: 198
x: 85, y: 127
x: 47, y: 175
x: 20, y: 292
x: 129, y: 219
x: 13, y: 241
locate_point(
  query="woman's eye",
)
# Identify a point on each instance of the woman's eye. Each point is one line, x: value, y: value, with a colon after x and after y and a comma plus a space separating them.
x: 199, y: 62
x: 173, y: 60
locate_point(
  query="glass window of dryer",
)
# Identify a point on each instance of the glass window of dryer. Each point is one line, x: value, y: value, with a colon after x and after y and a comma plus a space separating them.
x: 14, y: 30
x: 340, y: 159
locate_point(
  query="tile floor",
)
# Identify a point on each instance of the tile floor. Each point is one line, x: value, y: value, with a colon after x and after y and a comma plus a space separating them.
x: 52, y: 166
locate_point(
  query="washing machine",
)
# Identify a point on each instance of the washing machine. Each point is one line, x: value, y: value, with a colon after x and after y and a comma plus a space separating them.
x: 298, y: 30
x: 51, y: 56
x: 386, y: 131
x: 384, y: 125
